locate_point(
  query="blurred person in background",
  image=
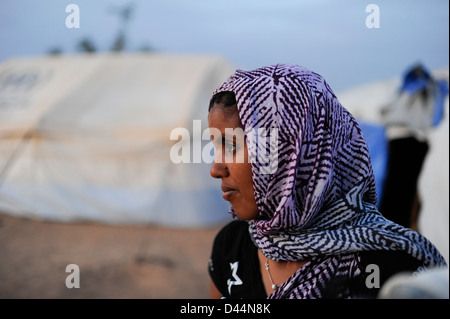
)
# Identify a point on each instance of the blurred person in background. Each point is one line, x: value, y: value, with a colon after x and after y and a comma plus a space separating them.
x: 409, y: 118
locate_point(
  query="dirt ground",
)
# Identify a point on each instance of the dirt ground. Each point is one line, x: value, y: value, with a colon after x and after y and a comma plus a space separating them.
x: 114, y: 261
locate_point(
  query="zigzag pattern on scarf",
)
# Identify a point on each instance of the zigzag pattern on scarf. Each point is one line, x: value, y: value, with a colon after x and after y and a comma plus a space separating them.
x: 316, y: 192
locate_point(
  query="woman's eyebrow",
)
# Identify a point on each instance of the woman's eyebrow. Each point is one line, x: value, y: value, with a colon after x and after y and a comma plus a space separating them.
x: 218, y: 139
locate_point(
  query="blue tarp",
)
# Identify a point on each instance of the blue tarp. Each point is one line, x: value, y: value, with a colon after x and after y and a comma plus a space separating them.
x: 375, y: 135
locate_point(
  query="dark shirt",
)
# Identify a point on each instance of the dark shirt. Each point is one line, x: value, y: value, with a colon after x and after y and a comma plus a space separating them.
x: 235, y: 270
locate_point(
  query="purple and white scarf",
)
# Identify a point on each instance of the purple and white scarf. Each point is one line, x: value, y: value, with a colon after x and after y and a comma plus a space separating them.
x: 316, y: 191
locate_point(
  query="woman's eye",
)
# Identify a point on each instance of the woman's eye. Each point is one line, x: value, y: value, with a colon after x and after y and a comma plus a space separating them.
x: 230, y: 147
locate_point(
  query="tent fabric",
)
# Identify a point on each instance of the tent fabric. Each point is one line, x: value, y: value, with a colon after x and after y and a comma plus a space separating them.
x: 86, y: 137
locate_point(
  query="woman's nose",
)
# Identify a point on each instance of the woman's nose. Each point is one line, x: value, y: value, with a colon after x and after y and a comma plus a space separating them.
x: 219, y: 169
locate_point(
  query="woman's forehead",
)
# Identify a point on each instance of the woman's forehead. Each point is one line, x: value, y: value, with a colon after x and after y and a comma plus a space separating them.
x: 223, y: 117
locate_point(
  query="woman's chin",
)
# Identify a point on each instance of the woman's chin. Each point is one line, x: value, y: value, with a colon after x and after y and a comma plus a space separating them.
x: 244, y: 214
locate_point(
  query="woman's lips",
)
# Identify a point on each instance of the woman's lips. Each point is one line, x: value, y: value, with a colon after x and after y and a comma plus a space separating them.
x: 228, y: 192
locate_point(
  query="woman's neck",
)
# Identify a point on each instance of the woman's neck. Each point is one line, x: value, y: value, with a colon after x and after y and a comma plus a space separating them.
x: 276, y: 272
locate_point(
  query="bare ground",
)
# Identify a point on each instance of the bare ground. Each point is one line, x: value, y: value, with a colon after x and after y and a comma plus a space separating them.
x: 114, y: 261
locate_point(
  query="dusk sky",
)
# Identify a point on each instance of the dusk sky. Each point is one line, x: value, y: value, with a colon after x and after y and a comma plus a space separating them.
x: 330, y: 37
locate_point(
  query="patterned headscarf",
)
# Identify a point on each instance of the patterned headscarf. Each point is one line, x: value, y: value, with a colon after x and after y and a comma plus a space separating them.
x: 313, y: 180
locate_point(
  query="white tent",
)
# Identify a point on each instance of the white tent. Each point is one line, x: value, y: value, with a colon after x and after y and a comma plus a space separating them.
x: 364, y: 102
x: 87, y: 138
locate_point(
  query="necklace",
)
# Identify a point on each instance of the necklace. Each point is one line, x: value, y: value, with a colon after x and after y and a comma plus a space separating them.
x: 274, y: 286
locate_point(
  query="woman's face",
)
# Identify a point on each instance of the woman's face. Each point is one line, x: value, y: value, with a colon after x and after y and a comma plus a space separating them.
x: 231, y: 162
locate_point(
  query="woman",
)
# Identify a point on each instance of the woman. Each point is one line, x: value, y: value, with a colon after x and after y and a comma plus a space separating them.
x: 304, y: 198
